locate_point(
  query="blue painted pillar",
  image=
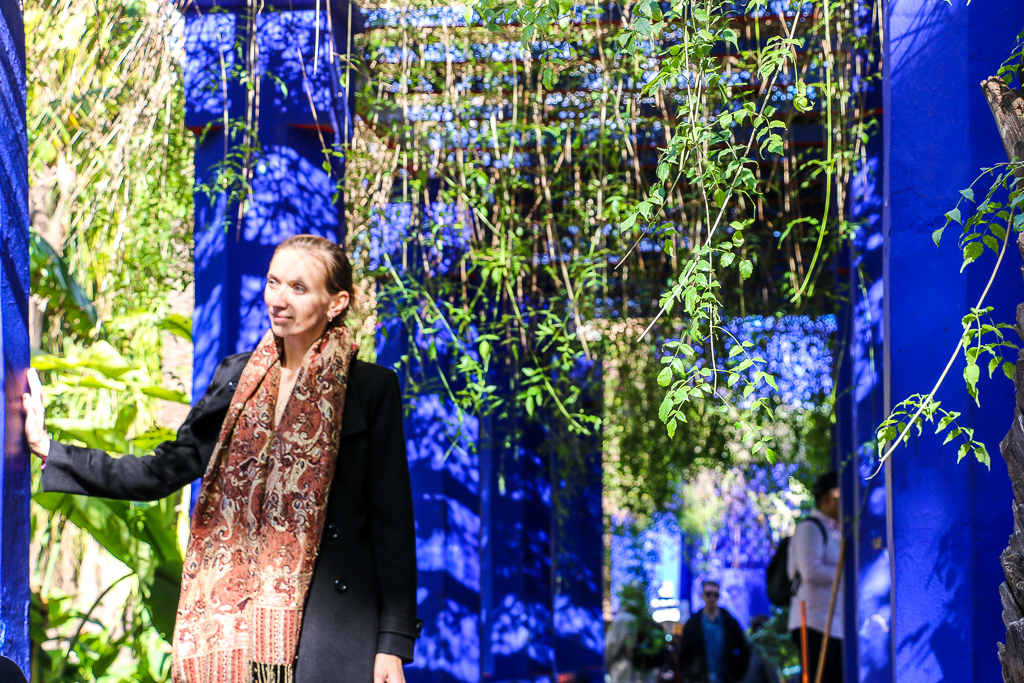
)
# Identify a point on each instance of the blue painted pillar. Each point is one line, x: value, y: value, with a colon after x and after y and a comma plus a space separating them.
x: 948, y: 521
x: 291, y: 192
x: 445, y: 450
x: 14, y: 289
x: 509, y: 535
x: 860, y: 405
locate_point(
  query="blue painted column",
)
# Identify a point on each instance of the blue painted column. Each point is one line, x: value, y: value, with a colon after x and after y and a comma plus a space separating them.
x: 509, y: 535
x: 14, y: 289
x: 291, y: 192
x: 445, y: 452
x: 948, y: 521
x: 860, y: 405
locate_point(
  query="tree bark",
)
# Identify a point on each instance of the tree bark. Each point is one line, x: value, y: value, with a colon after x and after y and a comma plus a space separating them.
x: 1008, y: 109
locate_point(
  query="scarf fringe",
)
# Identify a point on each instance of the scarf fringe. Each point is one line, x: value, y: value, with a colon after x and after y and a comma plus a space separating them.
x: 272, y: 673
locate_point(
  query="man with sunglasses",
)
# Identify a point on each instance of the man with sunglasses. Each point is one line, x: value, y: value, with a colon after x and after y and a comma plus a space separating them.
x: 713, y: 649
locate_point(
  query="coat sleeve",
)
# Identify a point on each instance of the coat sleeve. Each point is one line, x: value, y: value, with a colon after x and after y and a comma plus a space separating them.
x: 93, y: 472
x: 392, y: 527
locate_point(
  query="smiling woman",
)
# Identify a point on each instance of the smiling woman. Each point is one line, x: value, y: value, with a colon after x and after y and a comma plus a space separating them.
x: 306, y: 489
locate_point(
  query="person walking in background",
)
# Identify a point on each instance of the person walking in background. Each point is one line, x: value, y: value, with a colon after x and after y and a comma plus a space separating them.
x: 713, y: 649
x: 758, y: 669
x: 813, y: 556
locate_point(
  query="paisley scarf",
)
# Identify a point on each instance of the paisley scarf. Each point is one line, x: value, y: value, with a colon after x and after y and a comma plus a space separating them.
x: 258, y: 518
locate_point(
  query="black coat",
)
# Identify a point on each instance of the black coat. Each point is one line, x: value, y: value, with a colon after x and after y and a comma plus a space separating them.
x: 362, y: 599
x: 692, y: 656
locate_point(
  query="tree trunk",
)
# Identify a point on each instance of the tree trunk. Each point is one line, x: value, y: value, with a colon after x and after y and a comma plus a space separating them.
x: 1008, y: 109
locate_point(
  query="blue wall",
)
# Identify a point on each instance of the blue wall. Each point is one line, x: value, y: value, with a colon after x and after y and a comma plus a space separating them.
x: 949, y: 522
x: 14, y: 470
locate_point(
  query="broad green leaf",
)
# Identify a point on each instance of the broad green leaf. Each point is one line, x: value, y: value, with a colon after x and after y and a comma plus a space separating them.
x: 104, y: 358
x: 179, y: 325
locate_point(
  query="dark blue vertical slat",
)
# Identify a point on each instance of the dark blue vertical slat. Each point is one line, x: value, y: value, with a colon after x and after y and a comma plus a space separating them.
x: 14, y: 283
x: 446, y: 495
x: 579, y: 544
x: 860, y: 406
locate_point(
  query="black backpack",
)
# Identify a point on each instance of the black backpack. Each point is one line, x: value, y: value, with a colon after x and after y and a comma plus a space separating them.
x: 780, y: 587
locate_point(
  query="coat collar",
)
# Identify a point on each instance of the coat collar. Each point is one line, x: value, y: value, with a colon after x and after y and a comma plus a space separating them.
x: 222, y: 390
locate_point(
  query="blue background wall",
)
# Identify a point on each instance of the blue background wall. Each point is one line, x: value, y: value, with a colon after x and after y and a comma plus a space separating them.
x: 14, y: 469
x: 949, y: 522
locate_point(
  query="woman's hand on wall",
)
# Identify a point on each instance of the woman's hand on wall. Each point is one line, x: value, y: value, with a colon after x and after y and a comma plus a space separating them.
x: 388, y: 669
x: 35, y: 417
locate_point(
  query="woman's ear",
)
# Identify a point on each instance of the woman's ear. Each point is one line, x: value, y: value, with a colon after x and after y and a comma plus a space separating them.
x: 339, y: 302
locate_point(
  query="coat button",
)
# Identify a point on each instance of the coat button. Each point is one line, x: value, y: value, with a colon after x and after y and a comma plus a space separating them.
x: 340, y: 585
x: 333, y: 531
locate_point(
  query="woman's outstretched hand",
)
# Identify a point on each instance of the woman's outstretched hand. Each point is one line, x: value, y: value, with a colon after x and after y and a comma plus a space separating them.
x: 388, y: 669
x: 35, y: 417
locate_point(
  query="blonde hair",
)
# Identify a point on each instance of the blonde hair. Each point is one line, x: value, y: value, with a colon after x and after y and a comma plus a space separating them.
x: 337, y: 268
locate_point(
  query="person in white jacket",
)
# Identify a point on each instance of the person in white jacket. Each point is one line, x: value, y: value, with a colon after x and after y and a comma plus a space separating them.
x: 813, y: 556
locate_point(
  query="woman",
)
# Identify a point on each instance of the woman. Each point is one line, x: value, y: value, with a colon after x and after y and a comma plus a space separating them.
x: 301, y: 564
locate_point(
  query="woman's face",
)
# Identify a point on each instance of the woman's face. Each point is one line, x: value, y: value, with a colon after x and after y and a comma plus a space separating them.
x: 297, y: 298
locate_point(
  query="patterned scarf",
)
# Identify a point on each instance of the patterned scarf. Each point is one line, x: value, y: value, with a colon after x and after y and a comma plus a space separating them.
x: 258, y: 519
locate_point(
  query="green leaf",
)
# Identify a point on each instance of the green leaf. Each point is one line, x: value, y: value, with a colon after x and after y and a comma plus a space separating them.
x: 746, y: 269
x: 1009, y: 369
x: 953, y: 215
x: 968, y: 194
x: 104, y: 358
x: 665, y: 377
x: 125, y: 418
x: 981, y: 454
x: 971, y: 253
x: 937, y: 236
x: 179, y: 325
x: 665, y: 409
x: 971, y: 374
x: 164, y: 393
x: 149, y: 440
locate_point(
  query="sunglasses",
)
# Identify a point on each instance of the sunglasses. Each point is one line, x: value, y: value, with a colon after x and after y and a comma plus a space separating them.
x: 710, y: 594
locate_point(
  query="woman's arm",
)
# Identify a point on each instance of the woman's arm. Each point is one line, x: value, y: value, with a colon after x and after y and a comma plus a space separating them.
x: 392, y: 527
x: 93, y: 472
